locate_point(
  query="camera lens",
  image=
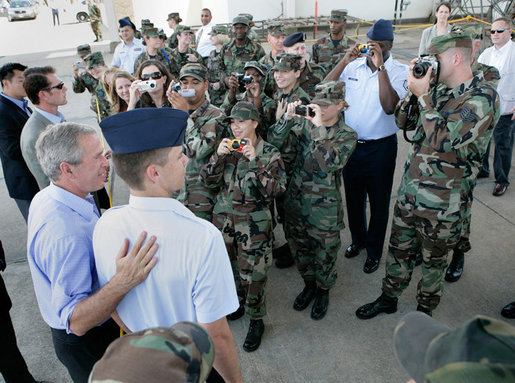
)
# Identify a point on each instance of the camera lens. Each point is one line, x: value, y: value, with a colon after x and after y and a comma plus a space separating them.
x: 235, y: 144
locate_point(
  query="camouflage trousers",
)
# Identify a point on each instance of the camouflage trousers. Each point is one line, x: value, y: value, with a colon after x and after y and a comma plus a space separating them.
x: 248, y: 238
x: 463, y: 244
x: 411, y: 234
x: 96, y: 26
x: 199, y: 199
x: 315, y: 251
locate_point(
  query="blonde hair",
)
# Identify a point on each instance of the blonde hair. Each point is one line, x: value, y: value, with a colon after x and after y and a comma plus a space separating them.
x: 103, y: 79
x: 117, y: 103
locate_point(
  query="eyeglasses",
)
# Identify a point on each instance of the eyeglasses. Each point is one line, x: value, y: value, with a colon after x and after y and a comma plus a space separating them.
x: 494, y: 31
x: 154, y: 76
x: 58, y: 86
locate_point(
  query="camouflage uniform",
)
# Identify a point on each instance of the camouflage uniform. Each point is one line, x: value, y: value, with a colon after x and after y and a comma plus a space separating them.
x: 243, y: 211
x: 268, y: 61
x: 313, y: 198
x: 451, y: 135
x: 275, y: 30
x: 163, y: 55
x: 172, y: 41
x: 183, y: 352
x: 310, y: 77
x: 178, y: 60
x: 213, y: 67
x: 202, y: 139
x: 95, y: 19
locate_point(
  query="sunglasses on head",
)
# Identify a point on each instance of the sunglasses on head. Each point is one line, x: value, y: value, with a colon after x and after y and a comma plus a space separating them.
x: 494, y: 31
x: 153, y: 76
x: 58, y: 86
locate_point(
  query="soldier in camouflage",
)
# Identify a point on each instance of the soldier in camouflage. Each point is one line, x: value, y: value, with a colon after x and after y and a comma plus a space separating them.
x: 173, y: 22
x: 254, y: 92
x: 451, y: 135
x: 276, y: 35
x: 330, y: 49
x: 184, y: 54
x: 249, y: 176
x: 313, y: 200
x: 238, y: 51
x: 203, y: 135
x: 154, y: 51
x: 481, y: 350
x: 218, y: 34
x: 252, y: 33
x: 95, y: 19
x: 183, y: 352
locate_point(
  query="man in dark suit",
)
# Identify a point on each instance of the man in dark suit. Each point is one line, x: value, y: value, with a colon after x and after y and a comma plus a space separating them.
x: 14, y: 113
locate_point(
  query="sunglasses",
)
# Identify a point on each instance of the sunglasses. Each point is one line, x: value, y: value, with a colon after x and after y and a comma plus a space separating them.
x: 153, y: 76
x: 58, y: 86
x: 494, y: 31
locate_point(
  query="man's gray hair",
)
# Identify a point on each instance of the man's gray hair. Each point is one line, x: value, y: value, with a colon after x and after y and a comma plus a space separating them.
x: 61, y: 143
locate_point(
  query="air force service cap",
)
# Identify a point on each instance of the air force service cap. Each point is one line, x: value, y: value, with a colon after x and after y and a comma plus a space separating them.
x: 381, y: 30
x: 144, y: 129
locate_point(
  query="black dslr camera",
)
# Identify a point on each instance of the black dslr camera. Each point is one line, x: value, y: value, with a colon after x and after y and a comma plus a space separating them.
x: 242, y: 81
x: 423, y: 64
x: 304, y: 110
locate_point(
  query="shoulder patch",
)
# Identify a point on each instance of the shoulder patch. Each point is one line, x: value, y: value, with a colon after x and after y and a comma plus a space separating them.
x: 467, y: 115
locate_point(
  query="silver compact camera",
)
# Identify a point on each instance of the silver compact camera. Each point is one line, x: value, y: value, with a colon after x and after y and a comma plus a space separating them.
x: 147, y: 85
x: 423, y: 64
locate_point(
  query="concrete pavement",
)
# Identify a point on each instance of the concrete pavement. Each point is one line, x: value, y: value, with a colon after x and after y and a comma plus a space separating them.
x: 339, y: 348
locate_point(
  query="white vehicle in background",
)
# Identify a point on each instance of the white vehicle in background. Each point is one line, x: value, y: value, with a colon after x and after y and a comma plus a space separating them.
x: 21, y: 9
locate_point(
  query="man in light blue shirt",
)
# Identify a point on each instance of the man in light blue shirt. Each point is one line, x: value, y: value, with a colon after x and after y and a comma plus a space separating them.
x: 60, y: 252
x: 129, y: 49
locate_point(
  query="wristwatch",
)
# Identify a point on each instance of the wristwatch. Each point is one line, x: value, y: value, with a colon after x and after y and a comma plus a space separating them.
x: 381, y: 68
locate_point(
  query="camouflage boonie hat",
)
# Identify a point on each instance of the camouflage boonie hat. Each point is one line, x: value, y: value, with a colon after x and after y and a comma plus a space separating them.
x: 241, y: 20
x: 287, y: 62
x: 183, y: 28
x: 475, y: 30
x: 329, y: 93
x: 257, y: 66
x: 244, y: 111
x: 175, y: 16
x: 440, y: 44
x: 194, y: 70
x: 276, y: 30
x: 93, y: 60
x: 219, y: 30
x: 83, y: 50
x: 151, y: 32
x: 481, y: 350
x: 181, y: 353
x: 338, y: 15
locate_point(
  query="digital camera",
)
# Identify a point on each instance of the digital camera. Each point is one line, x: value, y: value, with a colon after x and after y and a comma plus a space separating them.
x: 237, y: 144
x: 147, y: 85
x: 242, y: 81
x: 183, y: 92
x: 364, y: 49
x: 423, y: 64
x: 176, y: 87
x: 79, y: 64
x: 304, y: 110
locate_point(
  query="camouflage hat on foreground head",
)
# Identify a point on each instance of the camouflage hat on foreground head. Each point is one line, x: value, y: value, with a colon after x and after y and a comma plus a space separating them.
x: 175, y: 16
x: 475, y: 30
x: 162, y: 34
x: 244, y: 111
x: 183, y: 28
x: 151, y: 32
x: 248, y: 16
x: 481, y: 350
x: 257, y: 66
x: 287, y: 62
x: 276, y: 30
x: 194, y: 70
x: 219, y: 30
x: 440, y: 44
x: 338, y: 15
x: 181, y: 353
x: 83, y: 50
x: 240, y: 20
x: 329, y: 93
x: 94, y: 59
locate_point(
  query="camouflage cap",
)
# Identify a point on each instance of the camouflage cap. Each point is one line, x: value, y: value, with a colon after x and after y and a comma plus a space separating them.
x: 162, y: 34
x: 276, y: 30
x: 287, y: 62
x: 183, y: 28
x: 481, y: 350
x: 248, y: 16
x: 241, y: 20
x: 94, y: 59
x: 328, y: 93
x: 440, y: 44
x: 175, y: 16
x: 181, y: 353
x: 151, y: 32
x: 145, y: 21
x: 257, y: 66
x: 194, y: 70
x: 338, y: 15
x: 474, y: 29
x: 83, y: 50
x: 219, y: 30
x: 244, y: 111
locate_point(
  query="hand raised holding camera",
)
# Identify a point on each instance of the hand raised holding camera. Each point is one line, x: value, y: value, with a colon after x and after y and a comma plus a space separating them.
x: 224, y: 148
x: 248, y: 150
x: 316, y: 116
x: 176, y: 100
x: 419, y: 85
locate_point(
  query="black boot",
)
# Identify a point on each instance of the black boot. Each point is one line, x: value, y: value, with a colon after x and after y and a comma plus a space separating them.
x: 237, y: 314
x: 455, y: 268
x: 383, y: 304
x: 306, y: 296
x: 425, y: 310
x: 320, y: 304
x: 283, y: 257
x: 253, y: 339
x: 508, y: 311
